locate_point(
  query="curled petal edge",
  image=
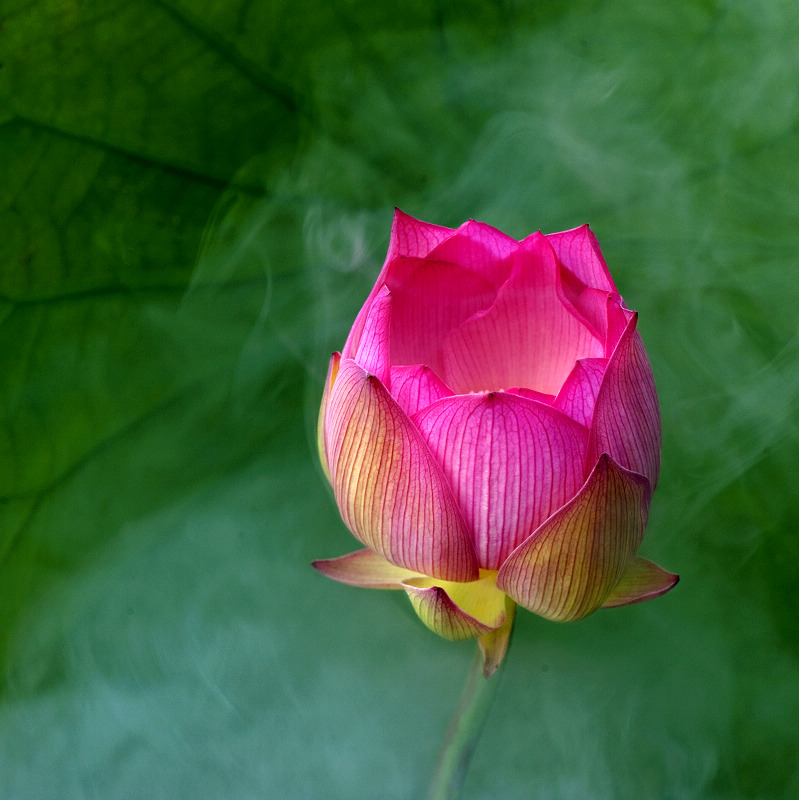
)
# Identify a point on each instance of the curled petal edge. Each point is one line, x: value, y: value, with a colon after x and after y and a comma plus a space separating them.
x: 332, y: 372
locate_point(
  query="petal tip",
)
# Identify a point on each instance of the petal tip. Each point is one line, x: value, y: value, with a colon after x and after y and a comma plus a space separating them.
x: 643, y: 580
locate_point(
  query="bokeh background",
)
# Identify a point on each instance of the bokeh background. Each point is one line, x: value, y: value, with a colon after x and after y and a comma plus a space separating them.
x: 195, y: 198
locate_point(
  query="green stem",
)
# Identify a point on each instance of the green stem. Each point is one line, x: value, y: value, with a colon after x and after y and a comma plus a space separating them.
x: 464, y: 731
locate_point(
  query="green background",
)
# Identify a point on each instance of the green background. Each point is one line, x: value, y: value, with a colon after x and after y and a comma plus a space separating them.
x: 195, y: 198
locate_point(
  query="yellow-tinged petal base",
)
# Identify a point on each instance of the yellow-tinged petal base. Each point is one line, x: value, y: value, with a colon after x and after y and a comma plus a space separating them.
x: 458, y: 610
x: 451, y: 609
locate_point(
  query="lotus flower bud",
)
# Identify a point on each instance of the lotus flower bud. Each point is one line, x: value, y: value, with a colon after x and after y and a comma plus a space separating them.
x: 491, y: 432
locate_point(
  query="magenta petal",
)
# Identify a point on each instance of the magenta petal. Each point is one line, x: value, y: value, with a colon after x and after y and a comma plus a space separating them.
x: 416, y: 386
x: 590, y: 306
x: 374, y: 348
x: 389, y: 488
x: 410, y: 238
x: 479, y: 248
x: 626, y: 421
x: 577, y: 397
x: 413, y: 238
x: 510, y: 461
x: 578, y: 251
x: 528, y: 337
x: 618, y: 318
x: 431, y: 298
x: 572, y: 563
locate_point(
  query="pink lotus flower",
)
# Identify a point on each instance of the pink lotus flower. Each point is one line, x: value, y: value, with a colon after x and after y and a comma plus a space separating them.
x: 491, y: 432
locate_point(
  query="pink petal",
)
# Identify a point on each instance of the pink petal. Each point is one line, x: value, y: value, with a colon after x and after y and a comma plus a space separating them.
x: 364, y: 568
x: 410, y: 238
x: 510, y: 461
x: 332, y: 372
x: 413, y: 238
x: 390, y: 491
x: 626, y: 422
x: 527, y: 338
x: 430, y: 299
x: 590, y: 306
x: 618, y: 317
x: 571, y: 564
x: 643, y: 580
x: 578, y: 251
x: 416, y: 386
x: 577, y: 397
x: 374, y: 348
x: 479, y: 248
x: 458, y: 611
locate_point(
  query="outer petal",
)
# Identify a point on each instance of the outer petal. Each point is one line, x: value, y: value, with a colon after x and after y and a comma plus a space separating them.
x: 364, y: 568
x: 458, y: 610
x: 416, y: 386
x: 626, y: 421
x: 578, y: 251
x: 332, y: 372
x: 577, y: 396
x: 479, y: 248
x: 374, y: 349
x: 643, y: 580
x: 571, y: 564
x: 528, y: 337
x: 390, y: 491
x: 510, y: 461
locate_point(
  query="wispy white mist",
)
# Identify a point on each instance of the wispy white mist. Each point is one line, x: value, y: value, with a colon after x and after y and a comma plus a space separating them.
x: 197, y: 654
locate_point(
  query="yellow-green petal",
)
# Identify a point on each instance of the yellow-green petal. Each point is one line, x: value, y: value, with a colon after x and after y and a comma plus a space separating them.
x: 643, y: 580
x: 458, y: 610
x: 364, y: 568
x: 391, y: 492
x: 332, y: 372
x: 568, y: 567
